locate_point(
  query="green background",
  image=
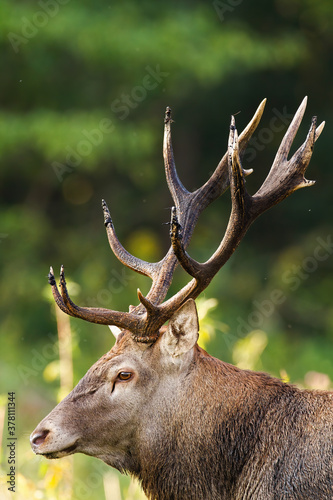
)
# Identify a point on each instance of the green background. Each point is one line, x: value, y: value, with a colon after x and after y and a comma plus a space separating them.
x: 69, y: 69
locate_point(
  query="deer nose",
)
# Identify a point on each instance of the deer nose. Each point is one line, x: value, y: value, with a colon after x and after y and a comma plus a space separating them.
x: 38, y: 438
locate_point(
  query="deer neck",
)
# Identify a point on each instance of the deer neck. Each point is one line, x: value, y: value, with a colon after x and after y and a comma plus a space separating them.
x: 212, y: 433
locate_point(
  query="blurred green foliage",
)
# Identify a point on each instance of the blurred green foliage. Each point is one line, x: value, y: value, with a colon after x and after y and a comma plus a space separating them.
x: 83, y: 90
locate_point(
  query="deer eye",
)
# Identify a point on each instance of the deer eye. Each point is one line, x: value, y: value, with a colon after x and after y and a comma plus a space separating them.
x: 125, y: 376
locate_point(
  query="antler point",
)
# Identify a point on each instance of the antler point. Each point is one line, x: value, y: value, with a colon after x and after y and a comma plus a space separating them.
x: 62, y: 275
x: 51, y: 278
x: 146, y: 302
x: 167, y: 116
x: 107, y: 215
x: 304, y: 103
x: 319, y: 130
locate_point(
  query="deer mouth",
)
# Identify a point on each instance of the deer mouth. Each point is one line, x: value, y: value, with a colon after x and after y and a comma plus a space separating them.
x: 61, y: 453
x: 41, y: 442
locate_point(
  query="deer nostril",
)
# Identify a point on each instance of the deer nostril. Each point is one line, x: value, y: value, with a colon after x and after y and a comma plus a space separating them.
x: 39, y: 438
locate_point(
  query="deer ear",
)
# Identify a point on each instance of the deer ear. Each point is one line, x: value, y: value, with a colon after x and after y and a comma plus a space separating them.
x: 115, y: 330
x: 182, y: 331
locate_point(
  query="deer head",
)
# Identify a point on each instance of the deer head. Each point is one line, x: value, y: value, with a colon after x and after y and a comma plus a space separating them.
x: 103, y: 414
x: 132, y: 403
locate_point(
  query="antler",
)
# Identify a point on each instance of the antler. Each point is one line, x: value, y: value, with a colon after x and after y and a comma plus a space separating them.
x: 285, y: 177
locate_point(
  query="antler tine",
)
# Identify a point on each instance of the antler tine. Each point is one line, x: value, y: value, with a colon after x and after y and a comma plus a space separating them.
x: 56, y: 295
x: 289, y: 136
x: 191, y: 266
x: 319, y: 130
x: 134, y: 263
x: 153, y: 270
x: 64, y: 293
x: 247, y: 133
x: 238, y: 223
x: 177, y: 190
x: 218, y: 183
x: 130, y: 321
x: 286, y: 176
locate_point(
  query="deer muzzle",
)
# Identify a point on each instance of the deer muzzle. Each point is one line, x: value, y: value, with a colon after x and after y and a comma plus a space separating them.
x: 51, y: 442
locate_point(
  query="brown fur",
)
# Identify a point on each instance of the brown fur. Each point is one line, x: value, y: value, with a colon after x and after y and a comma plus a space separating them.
x: 241, y: 435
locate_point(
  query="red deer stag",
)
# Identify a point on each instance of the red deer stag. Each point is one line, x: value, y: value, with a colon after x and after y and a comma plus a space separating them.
x: 187, y: 425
